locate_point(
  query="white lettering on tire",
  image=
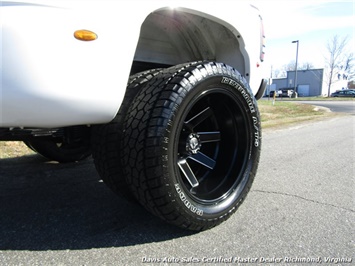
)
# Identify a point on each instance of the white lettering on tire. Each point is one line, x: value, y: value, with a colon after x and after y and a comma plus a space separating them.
x: 186, y: 202
x: 256, y: 133
x: 250, y: 104
x: 245, y: 95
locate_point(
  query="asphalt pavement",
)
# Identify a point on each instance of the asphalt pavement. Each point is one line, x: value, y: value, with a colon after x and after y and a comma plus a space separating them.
x: 335, y: 106
x: 300, y: 211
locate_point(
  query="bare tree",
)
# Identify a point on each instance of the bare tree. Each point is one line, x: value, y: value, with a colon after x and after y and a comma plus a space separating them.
x: 349, y: 66
x: 306, y: 66
x: 335, y: 59
x: 291, y: 66
x: 275, y: 73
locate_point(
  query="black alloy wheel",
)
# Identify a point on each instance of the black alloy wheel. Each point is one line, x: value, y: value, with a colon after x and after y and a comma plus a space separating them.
x: 212, y: 147
x: 191, y: 144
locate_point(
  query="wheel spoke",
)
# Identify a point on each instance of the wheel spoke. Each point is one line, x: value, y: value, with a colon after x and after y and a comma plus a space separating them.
x: 205, y: 137
x: 190, y: 176
x: 203, y: 159
x: 199, y: 118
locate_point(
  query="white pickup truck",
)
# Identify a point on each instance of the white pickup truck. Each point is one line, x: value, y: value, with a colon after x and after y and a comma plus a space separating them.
x: 162, y: 95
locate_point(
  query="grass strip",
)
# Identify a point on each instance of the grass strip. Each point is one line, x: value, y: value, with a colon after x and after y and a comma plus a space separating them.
x: 283, y: 113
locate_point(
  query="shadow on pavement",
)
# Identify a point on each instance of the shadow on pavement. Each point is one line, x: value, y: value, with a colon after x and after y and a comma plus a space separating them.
x: 50, y: 206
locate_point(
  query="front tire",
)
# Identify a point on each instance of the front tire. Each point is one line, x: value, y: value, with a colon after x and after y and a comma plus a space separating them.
x: 61, y: 151
x: 191, y: 144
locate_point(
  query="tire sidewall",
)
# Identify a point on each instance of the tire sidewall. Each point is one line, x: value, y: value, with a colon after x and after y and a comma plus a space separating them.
x: 239, y: 91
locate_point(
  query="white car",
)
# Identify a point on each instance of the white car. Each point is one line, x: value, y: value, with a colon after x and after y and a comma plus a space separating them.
x: 162, y: 94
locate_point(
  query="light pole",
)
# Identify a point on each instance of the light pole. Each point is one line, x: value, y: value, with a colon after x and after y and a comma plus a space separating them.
x: 294, y: 94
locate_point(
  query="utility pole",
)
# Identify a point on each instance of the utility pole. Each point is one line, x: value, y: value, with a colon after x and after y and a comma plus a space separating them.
x: 270, y: 82
x: 295, y: 94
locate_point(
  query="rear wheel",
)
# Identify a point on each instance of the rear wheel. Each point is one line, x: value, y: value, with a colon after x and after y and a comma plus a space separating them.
x: 106, y: 139
x: 191, y: 144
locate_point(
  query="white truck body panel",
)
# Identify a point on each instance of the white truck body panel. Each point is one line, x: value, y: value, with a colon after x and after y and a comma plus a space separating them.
x: 50, y: 79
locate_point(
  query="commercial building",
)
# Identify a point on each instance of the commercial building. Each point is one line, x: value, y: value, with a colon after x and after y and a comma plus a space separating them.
x: 311, y: 82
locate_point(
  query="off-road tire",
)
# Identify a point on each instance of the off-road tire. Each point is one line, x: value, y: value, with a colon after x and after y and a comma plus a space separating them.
x: 106, y: 139
x: 60, y: 151
x: 191, y: 144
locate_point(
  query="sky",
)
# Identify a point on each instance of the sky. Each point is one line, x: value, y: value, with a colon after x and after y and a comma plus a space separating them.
x: 311, y: 22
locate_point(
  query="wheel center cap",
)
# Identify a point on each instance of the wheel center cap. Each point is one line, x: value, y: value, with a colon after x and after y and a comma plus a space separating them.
x: 193, y: 143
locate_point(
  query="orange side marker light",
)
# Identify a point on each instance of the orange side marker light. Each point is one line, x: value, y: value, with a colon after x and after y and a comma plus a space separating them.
x: 85, y: 35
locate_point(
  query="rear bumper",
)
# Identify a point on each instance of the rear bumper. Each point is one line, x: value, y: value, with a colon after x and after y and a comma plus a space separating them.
x: 261, y: 90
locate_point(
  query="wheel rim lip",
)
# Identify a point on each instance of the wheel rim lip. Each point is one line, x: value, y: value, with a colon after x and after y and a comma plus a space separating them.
x: 234, y: 177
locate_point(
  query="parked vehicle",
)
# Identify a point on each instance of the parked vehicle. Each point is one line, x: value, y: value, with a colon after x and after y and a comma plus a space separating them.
x: 343, y: 93
x: 282, y: 93
x: 286, y: 93
x: 272, y: 93
x: 163, y: 98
